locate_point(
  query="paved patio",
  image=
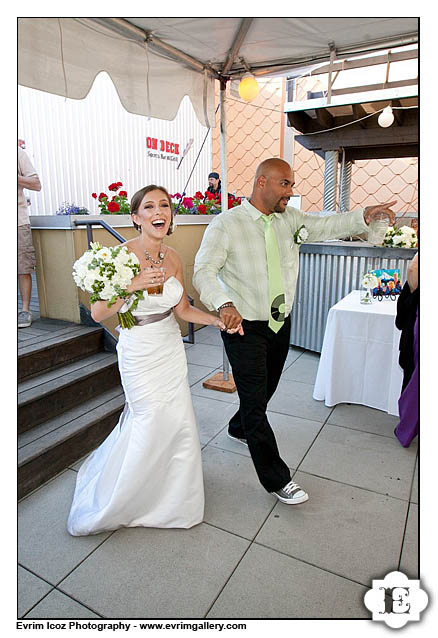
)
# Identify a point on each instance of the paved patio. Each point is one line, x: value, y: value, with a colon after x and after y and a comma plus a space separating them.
x: 252, y: 557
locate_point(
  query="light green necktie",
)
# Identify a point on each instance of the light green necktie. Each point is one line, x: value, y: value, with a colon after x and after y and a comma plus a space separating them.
x: 276, y: 290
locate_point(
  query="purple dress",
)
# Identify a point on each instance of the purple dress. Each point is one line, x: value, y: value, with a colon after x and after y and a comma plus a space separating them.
x: 407, y: 429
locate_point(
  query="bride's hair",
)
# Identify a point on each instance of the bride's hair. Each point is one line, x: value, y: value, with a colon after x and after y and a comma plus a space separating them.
x: 137, y: 198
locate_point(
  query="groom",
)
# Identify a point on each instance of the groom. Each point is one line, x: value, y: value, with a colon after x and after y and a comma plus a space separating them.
x: 247, y: 269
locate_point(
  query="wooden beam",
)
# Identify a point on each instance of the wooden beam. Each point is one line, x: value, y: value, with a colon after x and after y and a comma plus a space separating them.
x: 302, y: 122
x: 365, y: 87
x: 361, y: 138
x: 364, y: 62
x: 381, y: 152
x: 399, y: 114
x: 359, y: 112
x: 325, y: 119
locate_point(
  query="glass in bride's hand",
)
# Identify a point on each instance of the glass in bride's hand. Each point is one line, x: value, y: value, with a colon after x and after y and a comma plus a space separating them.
x: 156, y: 288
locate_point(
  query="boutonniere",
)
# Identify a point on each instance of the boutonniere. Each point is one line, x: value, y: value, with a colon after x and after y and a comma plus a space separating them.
x: 301, y: 235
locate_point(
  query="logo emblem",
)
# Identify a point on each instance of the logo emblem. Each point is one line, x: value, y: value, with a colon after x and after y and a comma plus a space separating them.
x: 396, y: 600
x: 277, y: 308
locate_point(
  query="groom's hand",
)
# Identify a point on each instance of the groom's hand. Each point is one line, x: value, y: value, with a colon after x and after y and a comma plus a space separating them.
x: 231, y: 318
x: 370, y: 211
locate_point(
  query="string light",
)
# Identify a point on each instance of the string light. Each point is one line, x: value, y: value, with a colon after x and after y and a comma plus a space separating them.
x: 386, y: 117
x: 248, y: 87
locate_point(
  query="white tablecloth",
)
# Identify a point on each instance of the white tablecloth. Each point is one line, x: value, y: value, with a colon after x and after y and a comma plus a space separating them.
x: 359, y: 357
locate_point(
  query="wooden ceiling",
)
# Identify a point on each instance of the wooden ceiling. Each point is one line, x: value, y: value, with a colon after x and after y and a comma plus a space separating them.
x: 362, y: 138
x: 347, y: 118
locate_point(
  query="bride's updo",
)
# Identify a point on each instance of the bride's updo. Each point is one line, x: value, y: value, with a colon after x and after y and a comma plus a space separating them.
x: 137, y: 199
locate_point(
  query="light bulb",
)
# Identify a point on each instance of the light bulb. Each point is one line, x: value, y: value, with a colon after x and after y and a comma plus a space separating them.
x: 386, y: 117
x: 248, y: 87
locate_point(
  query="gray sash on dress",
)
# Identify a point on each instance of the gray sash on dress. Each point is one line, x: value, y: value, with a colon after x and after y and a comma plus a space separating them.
x: 143, y: 320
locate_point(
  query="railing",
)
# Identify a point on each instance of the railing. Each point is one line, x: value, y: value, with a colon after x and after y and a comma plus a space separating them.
x: 89, y: 223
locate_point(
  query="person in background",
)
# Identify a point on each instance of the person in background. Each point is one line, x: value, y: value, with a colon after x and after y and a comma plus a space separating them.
x: 214, y: 184
x: 407, y: 321
x: 247, y: 269
x: 27, y: 178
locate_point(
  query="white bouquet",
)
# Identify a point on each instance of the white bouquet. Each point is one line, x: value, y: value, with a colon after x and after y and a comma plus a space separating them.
x: 301, y: 234
x: 369, y: 280
x: 106, y: 273
x: 404, y: 237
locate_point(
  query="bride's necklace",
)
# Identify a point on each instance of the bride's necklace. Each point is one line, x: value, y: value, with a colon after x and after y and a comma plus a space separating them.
x: 158, y: 261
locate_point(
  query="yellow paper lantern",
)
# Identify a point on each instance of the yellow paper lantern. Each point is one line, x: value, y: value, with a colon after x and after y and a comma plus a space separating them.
x: 248, y: 88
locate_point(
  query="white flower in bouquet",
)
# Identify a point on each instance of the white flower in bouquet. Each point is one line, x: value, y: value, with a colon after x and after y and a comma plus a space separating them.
x: 369, y: 280
x: 404, y: 237
x: 301, y: 235
x: 106, y: 272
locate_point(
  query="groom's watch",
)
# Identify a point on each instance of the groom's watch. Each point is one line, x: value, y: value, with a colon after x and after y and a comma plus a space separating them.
x: 228, y: 304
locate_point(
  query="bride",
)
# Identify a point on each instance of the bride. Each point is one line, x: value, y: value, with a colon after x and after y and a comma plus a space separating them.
x: 148, y: 471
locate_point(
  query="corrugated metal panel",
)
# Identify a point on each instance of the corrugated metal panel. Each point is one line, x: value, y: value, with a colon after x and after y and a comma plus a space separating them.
x: 324, y: 279
x: 81, y: 146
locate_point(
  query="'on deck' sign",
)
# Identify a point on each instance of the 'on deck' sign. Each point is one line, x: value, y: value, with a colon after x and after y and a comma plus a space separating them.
x: 164, y: 146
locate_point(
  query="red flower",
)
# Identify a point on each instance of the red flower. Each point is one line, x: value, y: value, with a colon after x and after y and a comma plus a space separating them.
x: 199, y: 195
x: 210, y: 195
x: 94, y: 195
x: 113, y: 207
x: 177, y: 195
x: 123, y: 194
x: 113, y: 187
x: 202, y: 209
x: 103, y: 196
x: 187, y: 202
x: 119, y: 183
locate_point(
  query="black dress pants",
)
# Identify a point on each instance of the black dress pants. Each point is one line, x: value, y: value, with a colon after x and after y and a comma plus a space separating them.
x: 257, y: 359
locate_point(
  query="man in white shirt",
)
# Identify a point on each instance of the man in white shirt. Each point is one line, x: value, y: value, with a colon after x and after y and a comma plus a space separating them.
x: 27, y: 178
x: 234, y: 274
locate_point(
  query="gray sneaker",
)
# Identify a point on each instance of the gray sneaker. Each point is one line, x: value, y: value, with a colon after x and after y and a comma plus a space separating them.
x: 291, y: 494
x: 24, y: 319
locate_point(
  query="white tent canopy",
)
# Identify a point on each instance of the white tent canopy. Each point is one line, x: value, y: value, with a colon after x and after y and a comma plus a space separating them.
x: 154, y: 62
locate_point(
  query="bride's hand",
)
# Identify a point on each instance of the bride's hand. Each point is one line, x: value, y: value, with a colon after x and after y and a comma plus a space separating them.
x: 146, y: 277
x: 218, y: 323
x: 239, y: 329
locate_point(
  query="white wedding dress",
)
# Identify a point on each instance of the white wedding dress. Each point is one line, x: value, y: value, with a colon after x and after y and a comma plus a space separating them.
x: 148, y: 471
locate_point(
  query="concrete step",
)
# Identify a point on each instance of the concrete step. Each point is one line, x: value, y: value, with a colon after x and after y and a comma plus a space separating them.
x: 54, y: 350
x: 54, y: 445
x: 51, y: 393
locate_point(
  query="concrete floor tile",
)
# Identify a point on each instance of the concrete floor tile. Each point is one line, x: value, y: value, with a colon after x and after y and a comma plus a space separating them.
x: 44, y: 545
x: 409, y: 563
x: 211, y: 416
x: 295, y: 398
x: 156, y: 573
x: 210, y: 335
x: 205, y: 355
x: 267, y: 584
x: 30, y: 590
x: 58, y: 605
x: 374, y: 462
x: 292, y: 355
x: 360, y: 417
x: 197, y: 372
x: 304, y: 369
x: 349, y: 531
x: 198, y: 390
x: 414, y: 491
x: 294, y: 437
x: 234, y: 498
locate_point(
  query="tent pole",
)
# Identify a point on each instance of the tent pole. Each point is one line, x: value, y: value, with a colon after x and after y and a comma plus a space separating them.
x: 223, y: 381
x: 223, y: 125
